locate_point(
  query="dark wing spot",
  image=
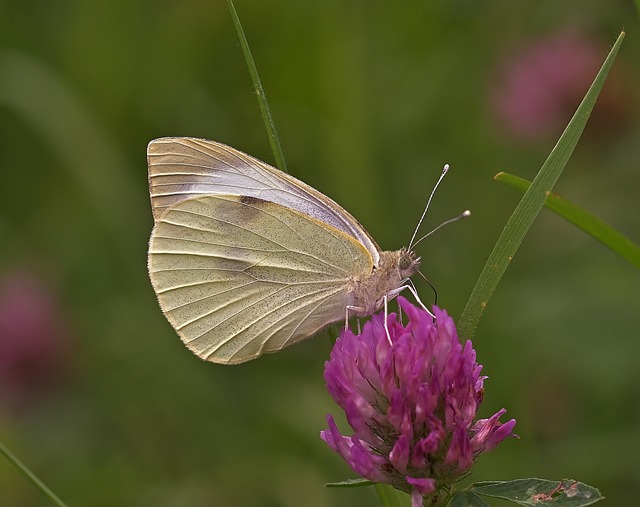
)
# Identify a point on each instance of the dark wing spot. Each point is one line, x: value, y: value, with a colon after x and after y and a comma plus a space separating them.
x: 252, y: 208
x: 247, y: 200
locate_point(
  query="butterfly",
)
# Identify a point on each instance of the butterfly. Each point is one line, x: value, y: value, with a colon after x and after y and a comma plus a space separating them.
x: 246, y: 259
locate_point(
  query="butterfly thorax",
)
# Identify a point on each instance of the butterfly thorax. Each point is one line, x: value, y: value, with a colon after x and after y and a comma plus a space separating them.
x: 367, y: 293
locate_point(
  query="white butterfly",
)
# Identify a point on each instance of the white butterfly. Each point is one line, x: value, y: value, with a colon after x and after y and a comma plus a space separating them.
x: 246, y: 259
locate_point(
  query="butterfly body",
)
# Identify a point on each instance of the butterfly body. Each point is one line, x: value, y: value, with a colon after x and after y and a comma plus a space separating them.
x: 246, y: 259
x: 387, y: 279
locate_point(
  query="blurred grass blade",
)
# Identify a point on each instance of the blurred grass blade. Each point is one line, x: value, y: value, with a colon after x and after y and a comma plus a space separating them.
x: 389, y: 496
x: 584, y: 220
x: 82, y: 145
x: 31, y: 476
x: 531, y: 204
x: 262, y: 98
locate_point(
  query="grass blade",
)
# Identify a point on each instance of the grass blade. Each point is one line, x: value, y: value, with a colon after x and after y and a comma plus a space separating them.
x: 589, y: 223
x: 262, y: 98
x: 531, y: 204
x: 31, y: 476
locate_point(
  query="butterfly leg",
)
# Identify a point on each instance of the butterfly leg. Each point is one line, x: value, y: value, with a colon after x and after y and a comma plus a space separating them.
x: 386, y: 313
x: 413, y: 291
x: 346, y: 317
x: 415, y: 295
x: 385, y: 300
x: 354, y: 309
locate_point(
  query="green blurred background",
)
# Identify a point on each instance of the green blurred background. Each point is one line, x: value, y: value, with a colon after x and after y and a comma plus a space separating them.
x: 99, y: 397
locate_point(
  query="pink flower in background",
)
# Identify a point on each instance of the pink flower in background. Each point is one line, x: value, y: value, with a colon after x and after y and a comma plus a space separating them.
x: 539, y: 86
x: 32, y: 336
x: 412, y: 404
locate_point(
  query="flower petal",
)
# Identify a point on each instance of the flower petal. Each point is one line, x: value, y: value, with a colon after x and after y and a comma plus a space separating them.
x: 490, y: 432
x: 399, y: 455
x: 422, y: 485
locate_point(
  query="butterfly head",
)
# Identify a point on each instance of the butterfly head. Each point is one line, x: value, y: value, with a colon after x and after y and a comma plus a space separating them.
x: 408, y: 263
x: 386, y: 280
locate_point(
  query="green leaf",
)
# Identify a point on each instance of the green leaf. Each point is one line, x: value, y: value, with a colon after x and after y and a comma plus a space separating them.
x: 586, y: 221
x: 31, y: 476
x: 349, y: 483
x: 540, y: 492
x: 269, y: 124
x: 391, y: 497
x: 466, y: 499
x: 531, y: 204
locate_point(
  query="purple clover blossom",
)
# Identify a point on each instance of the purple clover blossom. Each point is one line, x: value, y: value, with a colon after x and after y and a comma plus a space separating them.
x: 411, y: 404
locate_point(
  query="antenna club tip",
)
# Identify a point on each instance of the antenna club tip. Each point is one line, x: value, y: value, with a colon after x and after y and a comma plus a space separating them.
x: 466, y: 213
x: 445, y: 169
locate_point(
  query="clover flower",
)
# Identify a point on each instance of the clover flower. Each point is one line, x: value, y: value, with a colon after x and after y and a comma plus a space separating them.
x: 411, y: 403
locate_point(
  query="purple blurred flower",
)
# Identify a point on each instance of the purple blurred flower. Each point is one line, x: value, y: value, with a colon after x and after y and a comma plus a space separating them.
x: 411, y: 404
x: 540, y: 86
x: 33, y: 342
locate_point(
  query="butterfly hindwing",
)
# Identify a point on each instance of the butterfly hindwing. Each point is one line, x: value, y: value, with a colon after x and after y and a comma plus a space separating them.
x: 238, y: 276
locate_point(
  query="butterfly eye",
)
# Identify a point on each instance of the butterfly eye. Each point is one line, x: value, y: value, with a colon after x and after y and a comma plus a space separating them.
x: 407, y: 261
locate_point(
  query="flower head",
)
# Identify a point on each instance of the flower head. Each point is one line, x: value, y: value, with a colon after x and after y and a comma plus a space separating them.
x: 411, y: 403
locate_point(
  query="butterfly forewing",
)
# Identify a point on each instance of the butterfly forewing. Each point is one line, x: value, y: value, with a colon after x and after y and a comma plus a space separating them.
x: 238, y: 276
x: 180, y: 168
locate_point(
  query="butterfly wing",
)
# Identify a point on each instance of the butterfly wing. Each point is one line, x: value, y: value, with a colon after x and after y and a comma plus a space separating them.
x: 239, y: 276
x: 182, y: 167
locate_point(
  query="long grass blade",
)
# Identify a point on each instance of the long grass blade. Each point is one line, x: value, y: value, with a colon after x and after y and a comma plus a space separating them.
x: 531, y: 204
x: 589, y: 223
x: 262, y: 98
x: 31, y: 476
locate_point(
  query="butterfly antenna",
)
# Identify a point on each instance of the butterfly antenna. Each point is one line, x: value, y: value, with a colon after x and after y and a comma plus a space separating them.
x: 444, y: 171
x: 462, y: 215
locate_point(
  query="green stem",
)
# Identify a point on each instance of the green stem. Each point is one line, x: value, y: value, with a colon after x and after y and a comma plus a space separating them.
x: 262, y: 98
